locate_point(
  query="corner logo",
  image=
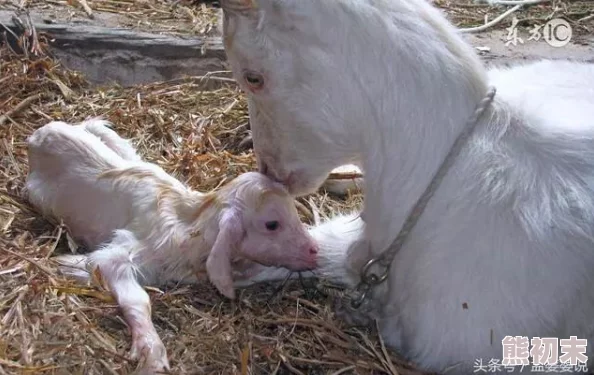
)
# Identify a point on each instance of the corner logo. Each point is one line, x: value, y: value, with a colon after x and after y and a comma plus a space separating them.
x: 548, y: 354
x: 557, y: 32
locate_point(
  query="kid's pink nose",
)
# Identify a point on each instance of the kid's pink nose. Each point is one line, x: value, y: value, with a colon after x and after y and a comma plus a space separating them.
x: 313, y: 250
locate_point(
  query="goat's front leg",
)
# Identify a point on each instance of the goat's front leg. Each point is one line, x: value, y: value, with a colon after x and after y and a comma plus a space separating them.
x: 115, y: 266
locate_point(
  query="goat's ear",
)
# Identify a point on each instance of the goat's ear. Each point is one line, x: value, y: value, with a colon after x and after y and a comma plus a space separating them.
x: 218, y: 263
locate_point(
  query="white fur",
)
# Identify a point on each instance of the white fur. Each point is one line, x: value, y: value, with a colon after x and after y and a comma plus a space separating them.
x: 147, y: 228
x: 388, y: 85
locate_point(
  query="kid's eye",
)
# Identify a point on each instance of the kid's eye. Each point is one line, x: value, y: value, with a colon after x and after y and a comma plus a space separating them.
x: 272, y: 225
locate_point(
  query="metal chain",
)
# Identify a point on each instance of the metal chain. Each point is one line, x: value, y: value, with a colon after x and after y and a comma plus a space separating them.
x: 368, y: 280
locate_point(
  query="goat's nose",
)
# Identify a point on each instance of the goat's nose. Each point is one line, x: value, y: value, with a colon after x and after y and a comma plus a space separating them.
x: 313, y: 250
x: 271, y: 173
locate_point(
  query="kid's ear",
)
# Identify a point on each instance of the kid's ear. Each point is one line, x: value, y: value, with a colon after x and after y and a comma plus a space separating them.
x: 218, y: 263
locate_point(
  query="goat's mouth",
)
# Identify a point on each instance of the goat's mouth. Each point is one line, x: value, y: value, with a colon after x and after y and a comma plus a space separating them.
x: 300, y: 183
x: 291, y: 180
x: 298, y: 265
x: 293, y: 264
x: 263, y: 168
x: 285, y: 179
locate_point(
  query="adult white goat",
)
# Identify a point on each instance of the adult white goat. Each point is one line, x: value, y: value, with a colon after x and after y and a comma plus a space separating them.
x: 506, y: 244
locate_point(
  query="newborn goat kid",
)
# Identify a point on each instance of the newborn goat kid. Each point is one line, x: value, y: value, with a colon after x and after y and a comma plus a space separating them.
x: 150, y: 228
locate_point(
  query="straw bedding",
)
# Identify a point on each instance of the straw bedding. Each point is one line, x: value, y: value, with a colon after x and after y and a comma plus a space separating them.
x: 49, y: 324
x: 172, y: 17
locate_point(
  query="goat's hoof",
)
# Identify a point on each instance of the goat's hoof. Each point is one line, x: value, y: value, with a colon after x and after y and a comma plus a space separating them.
x: 151, y: 355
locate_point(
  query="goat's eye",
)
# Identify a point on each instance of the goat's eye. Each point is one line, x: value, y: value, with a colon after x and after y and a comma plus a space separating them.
x: 272, y: 225
x: 254, y: 80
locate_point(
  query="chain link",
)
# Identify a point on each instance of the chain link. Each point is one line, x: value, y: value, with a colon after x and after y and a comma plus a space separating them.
x: 367, y: 281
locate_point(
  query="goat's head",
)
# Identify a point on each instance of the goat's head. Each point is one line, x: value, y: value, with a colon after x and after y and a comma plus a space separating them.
x: 304, y: 82
x: 329, y: 81
x: 261, y: 223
